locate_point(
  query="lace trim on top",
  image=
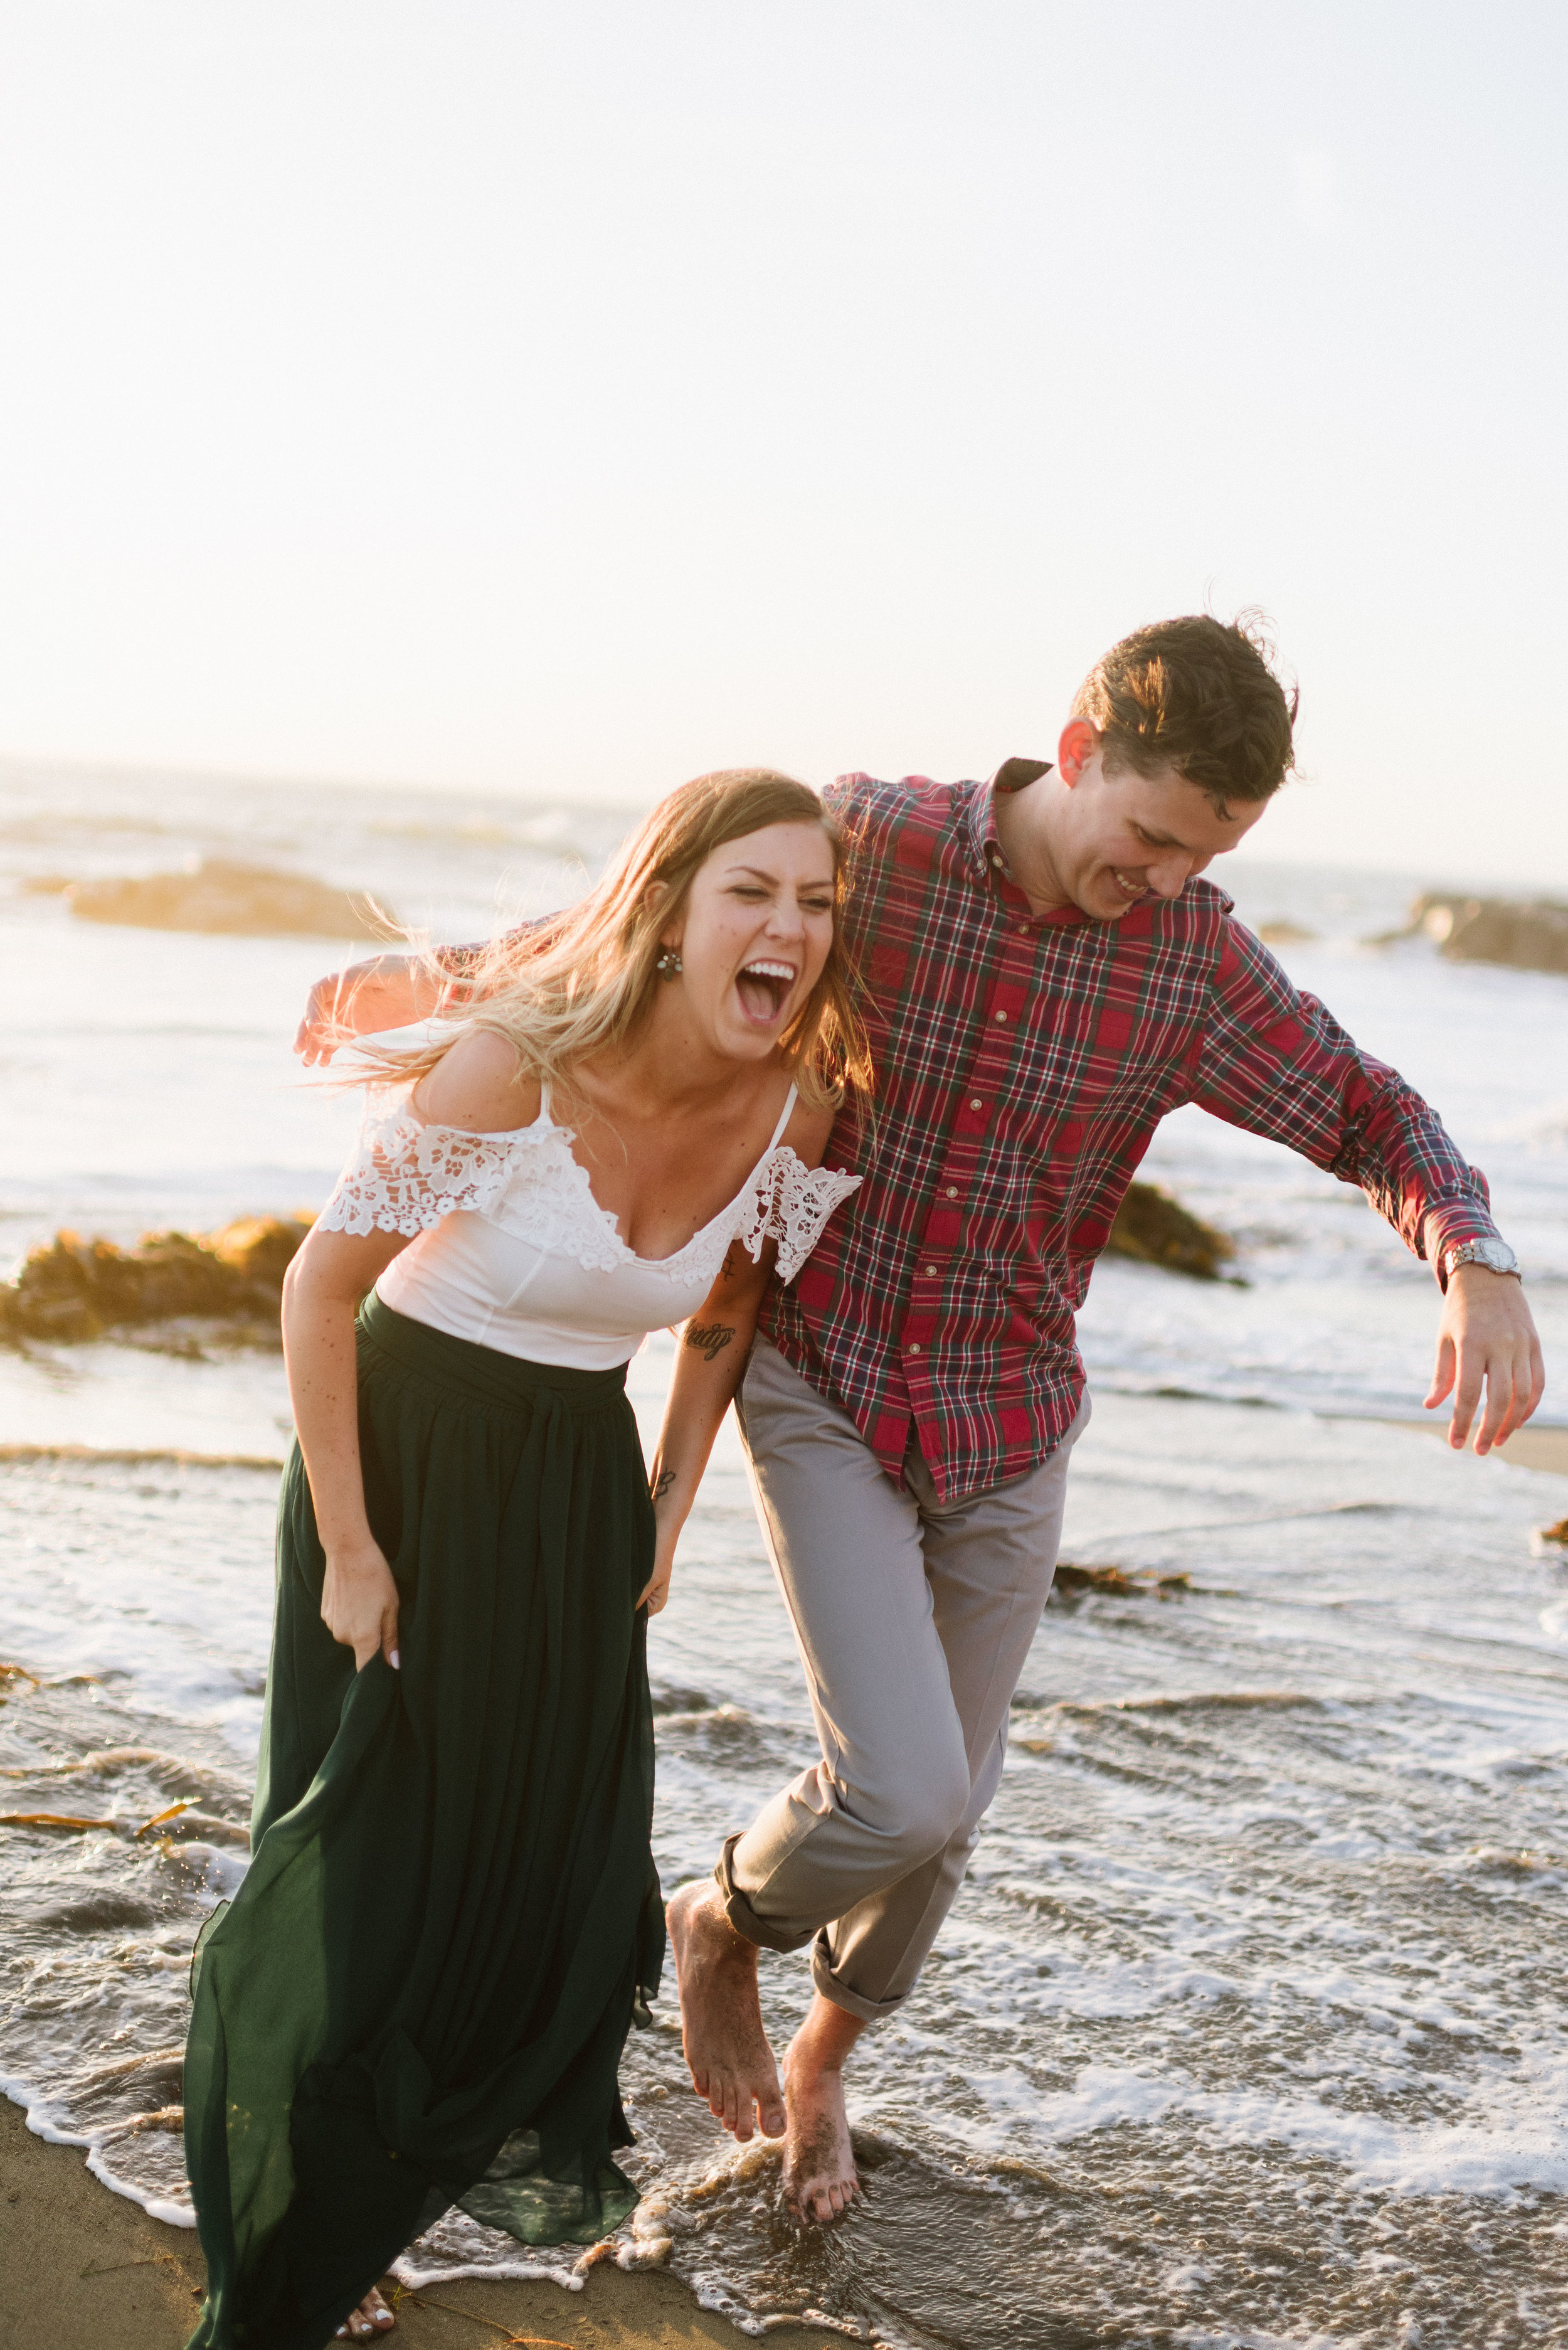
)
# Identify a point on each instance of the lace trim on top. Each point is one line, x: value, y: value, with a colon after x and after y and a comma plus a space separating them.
x: 788, y: 1201
x: 406, y: 1176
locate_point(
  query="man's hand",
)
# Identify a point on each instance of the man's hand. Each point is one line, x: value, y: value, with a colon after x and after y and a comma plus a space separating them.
x: 321, y: 1031
x: 388, y: 991
x: 1486, y: 1338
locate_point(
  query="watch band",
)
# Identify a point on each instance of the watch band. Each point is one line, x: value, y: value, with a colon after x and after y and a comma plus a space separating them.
x: 1495, y: 1254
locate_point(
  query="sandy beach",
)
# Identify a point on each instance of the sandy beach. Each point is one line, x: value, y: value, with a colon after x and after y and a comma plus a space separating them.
x: 81, y: 2269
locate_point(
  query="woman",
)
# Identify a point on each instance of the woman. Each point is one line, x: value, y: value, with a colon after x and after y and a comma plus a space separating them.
x: 420, y: 1993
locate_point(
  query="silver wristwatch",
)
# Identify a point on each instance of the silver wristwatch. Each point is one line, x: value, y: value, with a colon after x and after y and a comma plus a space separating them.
x: 1496, y: 1255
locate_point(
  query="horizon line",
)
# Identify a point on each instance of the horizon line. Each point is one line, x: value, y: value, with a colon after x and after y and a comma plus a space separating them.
x: 133, y: 771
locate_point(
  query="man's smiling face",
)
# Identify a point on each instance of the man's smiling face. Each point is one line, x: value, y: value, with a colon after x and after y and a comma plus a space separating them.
x: 1119, y: 837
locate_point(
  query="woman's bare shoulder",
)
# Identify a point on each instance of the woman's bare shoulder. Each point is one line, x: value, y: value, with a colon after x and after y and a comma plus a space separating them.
x: 482, y: 1085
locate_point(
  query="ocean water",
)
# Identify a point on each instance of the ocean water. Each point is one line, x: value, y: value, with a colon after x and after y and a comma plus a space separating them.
x: 1247, y: 2029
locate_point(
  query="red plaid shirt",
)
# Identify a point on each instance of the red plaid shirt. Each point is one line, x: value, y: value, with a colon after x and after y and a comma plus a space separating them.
x: 1022, y: 1064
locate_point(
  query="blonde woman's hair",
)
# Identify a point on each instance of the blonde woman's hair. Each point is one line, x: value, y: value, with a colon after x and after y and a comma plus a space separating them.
x: 581, y: 981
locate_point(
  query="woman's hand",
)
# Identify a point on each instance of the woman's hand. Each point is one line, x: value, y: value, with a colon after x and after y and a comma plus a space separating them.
x: 656, y: 1591
x: 359, y: 1602
x: 326, y: 1279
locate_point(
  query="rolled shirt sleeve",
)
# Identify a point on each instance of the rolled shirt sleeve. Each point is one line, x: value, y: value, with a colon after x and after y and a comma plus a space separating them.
x: 466, y: 966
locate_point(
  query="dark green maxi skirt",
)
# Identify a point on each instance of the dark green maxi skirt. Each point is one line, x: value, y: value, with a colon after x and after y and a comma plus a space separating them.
x: 420, y: 1995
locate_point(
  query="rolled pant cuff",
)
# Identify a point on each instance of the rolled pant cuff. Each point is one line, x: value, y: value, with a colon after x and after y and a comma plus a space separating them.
x: 869, y: 2011
x: 741, y: 1915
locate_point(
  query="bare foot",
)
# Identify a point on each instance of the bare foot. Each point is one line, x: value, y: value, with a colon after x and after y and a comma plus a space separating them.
x: 370, y: 2319
x: 721, y: 2017
x: 820, y: 2180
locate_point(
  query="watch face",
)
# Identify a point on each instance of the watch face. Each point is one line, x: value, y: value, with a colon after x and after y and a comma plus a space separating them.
x: 1495, y: 1255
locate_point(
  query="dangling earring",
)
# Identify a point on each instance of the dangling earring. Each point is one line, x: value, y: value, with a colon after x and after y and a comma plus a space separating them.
x: 669, y: 962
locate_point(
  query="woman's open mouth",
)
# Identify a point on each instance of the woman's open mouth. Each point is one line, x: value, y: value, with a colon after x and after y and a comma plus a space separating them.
x: 763, y: 989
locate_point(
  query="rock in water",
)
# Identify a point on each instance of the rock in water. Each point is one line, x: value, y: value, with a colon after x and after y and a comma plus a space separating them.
x: 1529, y: 937
x: 1526, y: 934
x: 260, y: 1249
x: 221, y: 895
x: 1157, y: 1230
x: 74, y: 1289
x: 1141, y: 1583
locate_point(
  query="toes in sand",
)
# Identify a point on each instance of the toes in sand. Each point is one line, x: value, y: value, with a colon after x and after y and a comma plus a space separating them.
x: 368, y: 2322
x: 820, y: 2180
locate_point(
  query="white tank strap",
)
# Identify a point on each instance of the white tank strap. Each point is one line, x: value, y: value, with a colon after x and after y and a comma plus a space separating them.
x: 784, y: 1116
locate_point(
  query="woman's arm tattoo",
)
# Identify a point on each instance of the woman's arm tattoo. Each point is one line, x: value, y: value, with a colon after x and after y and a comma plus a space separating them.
x: 709, y: 1337
x: 666, y: 1479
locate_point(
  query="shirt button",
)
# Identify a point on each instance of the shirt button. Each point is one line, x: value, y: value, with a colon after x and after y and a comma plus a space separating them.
x: 1002, y: 1016
x: 1023, y: 929
x: 975, y: 1102
x: 931, y: 1269
x: 952, y: 1191
x: 997, y: 862
x: 915, y: 1348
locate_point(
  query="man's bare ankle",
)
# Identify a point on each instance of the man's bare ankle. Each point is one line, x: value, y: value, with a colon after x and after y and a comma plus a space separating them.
x: 827, y: 2034
x: 699, y: 1910
x: 713, y: 1921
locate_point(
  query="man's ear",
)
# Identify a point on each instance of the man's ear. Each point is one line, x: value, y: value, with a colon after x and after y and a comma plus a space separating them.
x: 1077, y: 746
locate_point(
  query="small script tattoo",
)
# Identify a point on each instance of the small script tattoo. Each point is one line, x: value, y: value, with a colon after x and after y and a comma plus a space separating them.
x: 713, y: 1338
x: 665, y: 1480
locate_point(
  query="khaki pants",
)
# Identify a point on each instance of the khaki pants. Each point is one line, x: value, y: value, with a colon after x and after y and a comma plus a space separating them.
x: 914, y: 1617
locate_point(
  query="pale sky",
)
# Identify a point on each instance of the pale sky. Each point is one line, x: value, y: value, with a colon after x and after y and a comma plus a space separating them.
x: 565, y: 397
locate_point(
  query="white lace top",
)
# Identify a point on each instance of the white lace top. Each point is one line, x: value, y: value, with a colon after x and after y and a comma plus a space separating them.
x: 512, y: 1250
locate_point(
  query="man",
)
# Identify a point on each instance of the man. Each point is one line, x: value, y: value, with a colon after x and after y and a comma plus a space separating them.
x: 1046, y: 977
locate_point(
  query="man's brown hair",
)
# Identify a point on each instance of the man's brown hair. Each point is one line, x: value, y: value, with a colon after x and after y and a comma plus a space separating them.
x: 1200, y: 695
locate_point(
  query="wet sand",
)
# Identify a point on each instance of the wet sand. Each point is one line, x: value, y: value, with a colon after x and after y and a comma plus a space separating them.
x: 81, y: 2269
x: 1530, y: 1448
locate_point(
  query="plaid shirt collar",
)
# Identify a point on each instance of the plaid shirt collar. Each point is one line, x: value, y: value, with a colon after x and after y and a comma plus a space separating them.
x: 983, y: 850
x: 979, y: 820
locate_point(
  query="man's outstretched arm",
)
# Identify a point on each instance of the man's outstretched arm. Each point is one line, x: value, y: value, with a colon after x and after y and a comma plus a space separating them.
x: 1274, y: 1061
